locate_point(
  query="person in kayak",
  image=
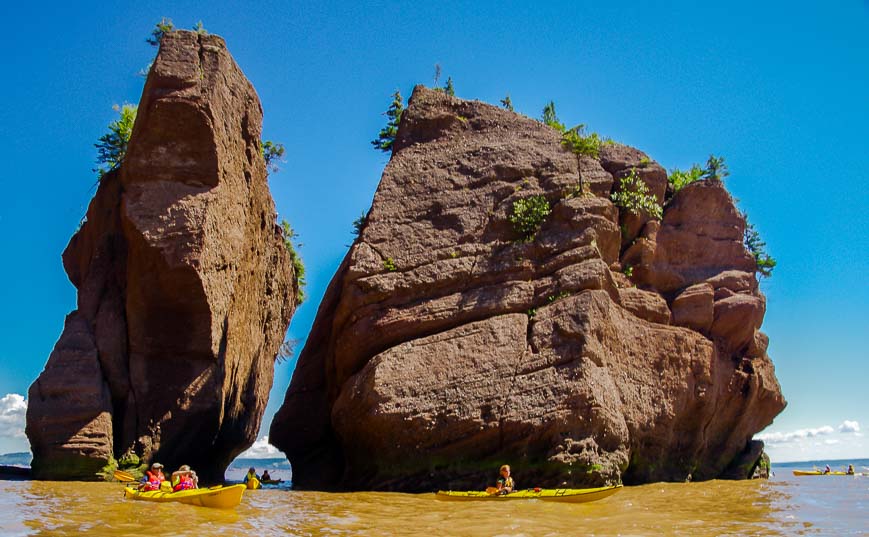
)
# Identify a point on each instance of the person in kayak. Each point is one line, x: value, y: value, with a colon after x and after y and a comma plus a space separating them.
x: 184, y: 479
x: 505, y: 483
x: 827, y: 469
x: 850, y: 470
x: 266, y: 476
x: 251, y: 474
x: 153, y: 478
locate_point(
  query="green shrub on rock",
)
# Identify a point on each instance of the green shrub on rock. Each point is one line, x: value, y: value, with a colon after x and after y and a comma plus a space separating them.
x: 528, y: 215
x: 298, y: 266
x: 634, y: 196
x: 679, y: 179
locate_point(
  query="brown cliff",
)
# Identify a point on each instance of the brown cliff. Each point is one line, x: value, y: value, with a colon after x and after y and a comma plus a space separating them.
x: 185, y: 288
x: 445, y: 346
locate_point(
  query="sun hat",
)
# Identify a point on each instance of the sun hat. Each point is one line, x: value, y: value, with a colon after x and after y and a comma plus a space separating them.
x: 156, y: 465
x: 184, y: 468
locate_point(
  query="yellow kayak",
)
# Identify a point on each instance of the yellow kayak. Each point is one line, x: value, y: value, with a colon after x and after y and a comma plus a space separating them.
x: 550, y: 495
x: 816, y: 472
x: 253, y: 483
x: 220, y: 497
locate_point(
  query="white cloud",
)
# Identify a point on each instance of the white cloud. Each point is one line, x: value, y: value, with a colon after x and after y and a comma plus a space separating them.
x: 849, y: 427
x: 261, y: 449
x: 831, y: 441
x: 799, y: 434
x: 13, y: 408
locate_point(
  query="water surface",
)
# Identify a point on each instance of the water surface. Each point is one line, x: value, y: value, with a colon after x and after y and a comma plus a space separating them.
x: 784, y: 505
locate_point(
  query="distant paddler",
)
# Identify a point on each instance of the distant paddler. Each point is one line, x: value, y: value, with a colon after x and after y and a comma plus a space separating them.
x: 252, y: 480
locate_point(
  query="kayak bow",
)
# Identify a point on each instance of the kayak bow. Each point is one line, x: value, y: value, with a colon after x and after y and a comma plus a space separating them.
x: 551, y: 495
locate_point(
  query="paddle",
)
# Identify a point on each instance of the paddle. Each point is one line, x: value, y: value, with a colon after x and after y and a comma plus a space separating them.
x: 121, y: 475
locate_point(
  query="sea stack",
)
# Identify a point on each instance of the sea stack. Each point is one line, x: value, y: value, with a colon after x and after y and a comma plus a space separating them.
x: 606, y: 346
x: 185, y: 287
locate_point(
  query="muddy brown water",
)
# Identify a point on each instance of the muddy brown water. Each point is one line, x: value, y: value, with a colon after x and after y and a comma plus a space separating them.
x: 784, y: 505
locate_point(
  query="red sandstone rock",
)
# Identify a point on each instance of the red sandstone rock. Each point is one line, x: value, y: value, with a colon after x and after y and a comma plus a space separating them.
x: 692, y: 308
x: 445, y: 345
x: 645, y: 305
x: 185, y: 286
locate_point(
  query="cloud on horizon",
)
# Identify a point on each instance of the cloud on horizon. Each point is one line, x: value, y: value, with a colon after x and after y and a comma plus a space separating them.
x: 849, y: 427
x: 261, y: 449
x: 775, y: 438
x: 13, y: 408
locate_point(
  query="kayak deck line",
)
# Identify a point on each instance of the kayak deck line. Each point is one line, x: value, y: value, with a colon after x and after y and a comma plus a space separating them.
x: 552, y: 495
x: 220, y: 497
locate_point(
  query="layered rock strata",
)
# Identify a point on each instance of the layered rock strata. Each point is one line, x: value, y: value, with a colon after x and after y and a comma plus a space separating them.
x: 446, y: 345
x: 185, y: 287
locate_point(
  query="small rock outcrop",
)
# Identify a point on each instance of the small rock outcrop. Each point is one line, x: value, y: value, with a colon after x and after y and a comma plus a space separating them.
x: 446, y: 345
x: 185, y: 287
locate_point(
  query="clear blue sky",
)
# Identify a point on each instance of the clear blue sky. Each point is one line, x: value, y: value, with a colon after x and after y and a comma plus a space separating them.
x: 781, y: 89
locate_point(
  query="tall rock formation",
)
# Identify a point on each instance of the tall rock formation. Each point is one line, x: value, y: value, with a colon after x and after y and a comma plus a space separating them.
x: 185, y: 287
x: 446, y: 345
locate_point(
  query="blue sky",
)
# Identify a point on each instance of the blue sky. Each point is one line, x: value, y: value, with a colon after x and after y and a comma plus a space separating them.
x: 781, y: 89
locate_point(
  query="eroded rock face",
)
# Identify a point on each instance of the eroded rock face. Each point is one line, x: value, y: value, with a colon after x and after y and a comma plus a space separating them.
x: 446, y: 346
x: 185, y: 287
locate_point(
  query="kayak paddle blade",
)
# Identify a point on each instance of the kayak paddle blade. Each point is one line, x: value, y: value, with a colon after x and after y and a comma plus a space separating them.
x: 121, y: 475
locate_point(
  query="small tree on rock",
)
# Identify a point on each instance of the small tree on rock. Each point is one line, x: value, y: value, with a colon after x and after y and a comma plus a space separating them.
x: 507, y: 103
x: 272, y: 154
x: 112, y: 146
x: 550, y: 118
x: 449, y: 89
x: 581, y: 145
x: 716, y: 169
x: 386, y: 136
x: 753, y: 243
x: 164, y: 26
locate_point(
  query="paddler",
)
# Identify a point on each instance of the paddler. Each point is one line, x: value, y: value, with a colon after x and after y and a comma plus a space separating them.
x: 505, y: 483
x: 850, y: 469
x: 266, y: 476
x: 153, y: 478
x: 827, y: 469
x: 184, y: 479
x: 251, y: 474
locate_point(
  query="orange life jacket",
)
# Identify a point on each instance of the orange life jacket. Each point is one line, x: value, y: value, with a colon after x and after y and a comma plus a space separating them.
x: 154, y: 480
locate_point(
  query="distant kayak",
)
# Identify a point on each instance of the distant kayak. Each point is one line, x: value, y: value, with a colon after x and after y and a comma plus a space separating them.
x: 550, y: 495
x: 271, y: 481
x: 253, y: 483
x: 219, y: 497
x: 817, y: 472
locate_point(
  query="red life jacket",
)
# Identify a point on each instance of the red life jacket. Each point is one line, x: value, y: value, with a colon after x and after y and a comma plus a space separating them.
x: 185, y: 482
x: 154, y: 480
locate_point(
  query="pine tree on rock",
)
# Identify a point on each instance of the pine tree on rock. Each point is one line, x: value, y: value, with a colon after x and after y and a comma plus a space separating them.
x: 386, y: 136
